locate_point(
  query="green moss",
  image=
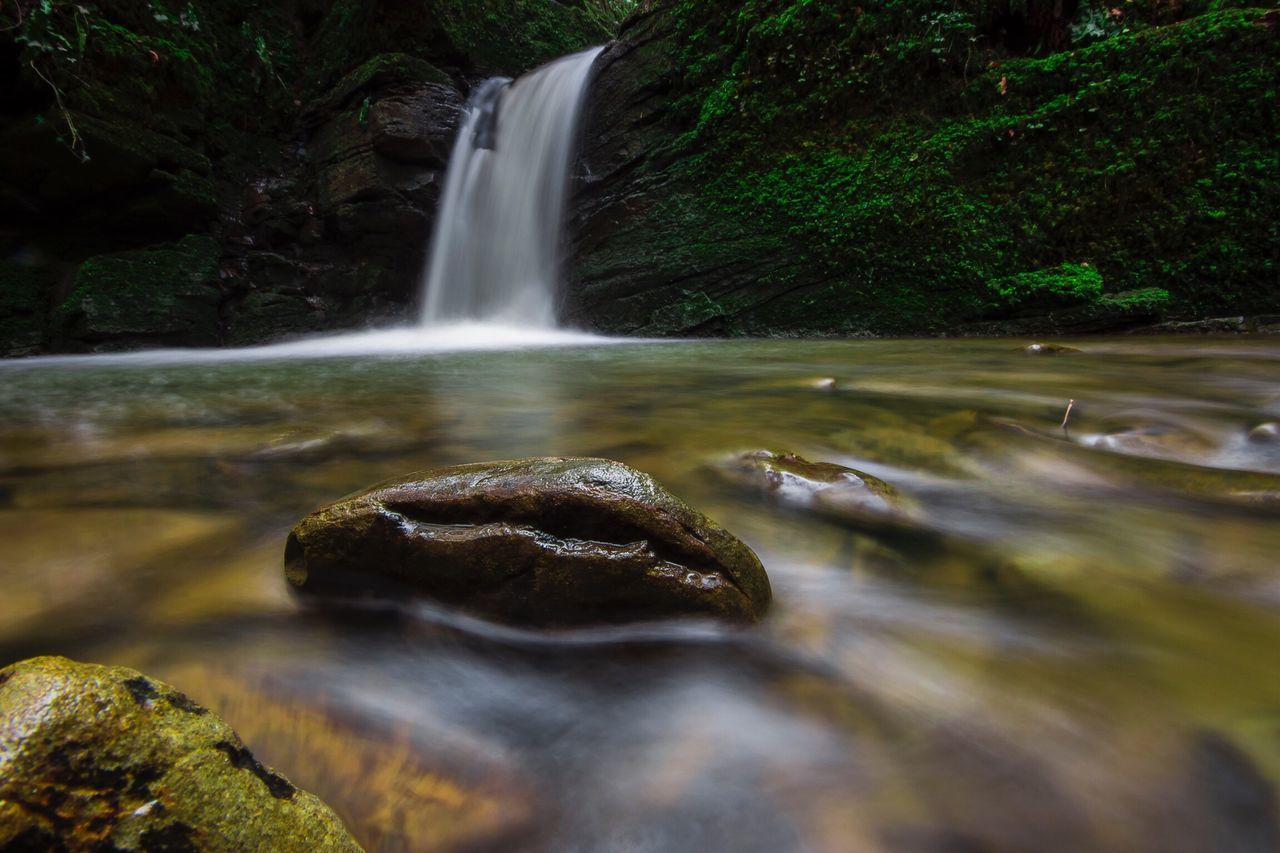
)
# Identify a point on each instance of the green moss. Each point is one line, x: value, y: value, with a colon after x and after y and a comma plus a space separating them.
x: 385, y: 69
x: 1068, y: 284
x: 691, y: 310
x: 490, y: 36
x: 89, y: 751
x: 920, y: 163
x: 1148, y: 299
x: 501, y: 33
x: 168, y: 291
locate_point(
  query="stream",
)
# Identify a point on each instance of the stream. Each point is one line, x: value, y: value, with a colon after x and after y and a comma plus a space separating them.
x: 1079, y: 649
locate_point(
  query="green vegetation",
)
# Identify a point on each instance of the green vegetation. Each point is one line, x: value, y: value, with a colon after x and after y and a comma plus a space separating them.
x: 170, y: 291
x: 918, y: 156
x: 610, y: 14
x: 127, y: 124
x: 1068, y: 284
x: 191, y: 61
x: 236, y: 66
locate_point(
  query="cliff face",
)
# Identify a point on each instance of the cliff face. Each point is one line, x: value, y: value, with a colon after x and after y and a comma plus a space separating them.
x: 209, y: 172
x: 224, y: 172
x: 825, y: 168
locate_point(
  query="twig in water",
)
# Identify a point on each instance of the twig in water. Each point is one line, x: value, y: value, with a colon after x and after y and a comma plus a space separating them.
x: 1067, y: 416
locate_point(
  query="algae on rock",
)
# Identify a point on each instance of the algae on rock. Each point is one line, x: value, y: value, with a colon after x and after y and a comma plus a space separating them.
x: 98, y: 757
x: 808, y: 167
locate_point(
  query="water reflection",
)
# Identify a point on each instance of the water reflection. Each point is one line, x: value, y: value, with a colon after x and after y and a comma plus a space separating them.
x: 1078, y: 651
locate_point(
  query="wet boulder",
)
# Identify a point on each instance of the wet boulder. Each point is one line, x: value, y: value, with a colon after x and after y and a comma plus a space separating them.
x: 1159, y: 440
x: 1268, y: 433
x: 830, y: 490
x: 1048, y: 349
x: 541, y: 542
x: 104, y: 758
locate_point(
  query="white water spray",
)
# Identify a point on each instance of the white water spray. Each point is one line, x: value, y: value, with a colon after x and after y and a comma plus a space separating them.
x: 495, y: 253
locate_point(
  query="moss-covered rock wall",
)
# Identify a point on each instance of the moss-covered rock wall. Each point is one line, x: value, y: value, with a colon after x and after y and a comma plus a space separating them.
x: 772, y: 166
x: 306, y: 138
x: 805, y: 166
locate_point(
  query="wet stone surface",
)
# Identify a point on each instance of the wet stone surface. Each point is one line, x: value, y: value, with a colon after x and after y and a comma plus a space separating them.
x: 1268, y: 433
x: 834, y: 491
x: 1048, y: 349
x: 1048, y: 653
x: 548, y: 541
x: 96, y: 757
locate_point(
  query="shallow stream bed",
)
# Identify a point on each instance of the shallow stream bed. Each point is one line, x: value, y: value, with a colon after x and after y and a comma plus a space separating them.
x: 1077, y: 649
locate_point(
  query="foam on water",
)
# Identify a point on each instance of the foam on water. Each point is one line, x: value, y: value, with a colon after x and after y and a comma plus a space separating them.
x: 459, y: 337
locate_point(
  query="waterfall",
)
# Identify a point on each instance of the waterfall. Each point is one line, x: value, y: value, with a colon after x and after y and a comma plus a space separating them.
x: 495, y: 252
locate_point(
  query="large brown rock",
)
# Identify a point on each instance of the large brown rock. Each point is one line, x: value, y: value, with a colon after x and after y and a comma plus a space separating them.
x: 104, y: 758
x: 550, y: 541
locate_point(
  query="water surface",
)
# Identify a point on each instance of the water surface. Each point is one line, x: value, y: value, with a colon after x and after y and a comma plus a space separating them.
x: 1081, y: 651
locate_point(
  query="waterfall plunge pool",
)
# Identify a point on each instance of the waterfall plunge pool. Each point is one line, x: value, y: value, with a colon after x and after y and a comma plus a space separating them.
x: 1081, y: 654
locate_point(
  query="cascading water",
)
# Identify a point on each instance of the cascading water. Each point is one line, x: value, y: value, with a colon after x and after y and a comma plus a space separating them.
x: 495, y: 253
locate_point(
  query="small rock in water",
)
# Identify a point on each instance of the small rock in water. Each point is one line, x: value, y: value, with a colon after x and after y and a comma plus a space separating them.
x: 1155, y: 440
x: 832, y: 490
x: 1268, y: 433
x: 1048, y: 349
x: 104, y: 758
x: 541, y: 542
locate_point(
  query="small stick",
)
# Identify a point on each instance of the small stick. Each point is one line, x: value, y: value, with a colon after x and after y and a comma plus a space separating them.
x: 1067, y: 416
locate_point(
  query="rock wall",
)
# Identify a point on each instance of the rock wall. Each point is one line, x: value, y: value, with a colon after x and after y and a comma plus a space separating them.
x: 987, y: 166
x: 278, y: 166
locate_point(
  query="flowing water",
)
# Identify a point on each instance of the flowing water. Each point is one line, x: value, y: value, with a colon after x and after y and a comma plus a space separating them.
x: 1079, y: 651
x: 496, y: 248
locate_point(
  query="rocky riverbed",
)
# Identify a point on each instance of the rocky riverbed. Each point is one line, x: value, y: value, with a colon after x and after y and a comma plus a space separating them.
x: 988, y: 628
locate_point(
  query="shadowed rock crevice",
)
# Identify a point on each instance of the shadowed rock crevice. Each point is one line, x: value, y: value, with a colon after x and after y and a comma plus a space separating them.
x: 280, y: 787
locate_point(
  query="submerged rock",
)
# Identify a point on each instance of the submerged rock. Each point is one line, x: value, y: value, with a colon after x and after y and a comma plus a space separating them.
x: 402, y: 779
x: 832, y: 490
x: 548, y: 541
x: 104, y: 758
x: 905, y: 446
x: 1048, y: 349
x: 1268, y: 433
x: 1169, y: 441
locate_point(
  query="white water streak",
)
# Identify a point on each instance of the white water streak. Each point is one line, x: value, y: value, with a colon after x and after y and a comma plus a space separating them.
x: 495, y: 254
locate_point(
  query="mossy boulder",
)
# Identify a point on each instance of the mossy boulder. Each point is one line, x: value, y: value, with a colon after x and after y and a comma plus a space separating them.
x: 166, y: 294
x: 104, y: 758
x: 542, y: 542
